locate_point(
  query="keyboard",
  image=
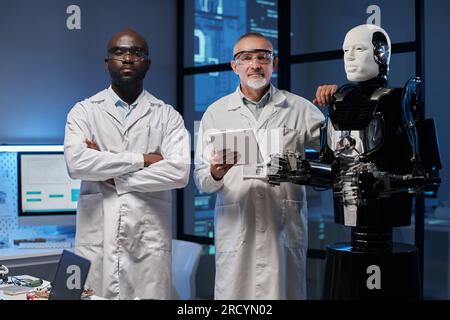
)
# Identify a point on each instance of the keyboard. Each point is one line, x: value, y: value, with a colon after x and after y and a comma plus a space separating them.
x: 45, y: 245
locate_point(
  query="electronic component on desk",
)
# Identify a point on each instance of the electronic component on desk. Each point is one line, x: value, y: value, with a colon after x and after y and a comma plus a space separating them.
x: 46, y: 245
x: 28, y: 282
x: 4, y: 273
x: 15, y: 290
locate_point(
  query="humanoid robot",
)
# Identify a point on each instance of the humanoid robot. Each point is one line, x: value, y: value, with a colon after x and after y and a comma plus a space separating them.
x: 377, y: 155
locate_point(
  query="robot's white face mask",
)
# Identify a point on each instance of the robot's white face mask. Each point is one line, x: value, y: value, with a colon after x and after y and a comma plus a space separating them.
x: 360, y: 64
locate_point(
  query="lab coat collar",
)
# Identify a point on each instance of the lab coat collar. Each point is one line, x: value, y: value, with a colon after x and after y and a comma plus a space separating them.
x: 147, y: 103
x: 100, y: 100
x: 118, y: 101
x: 235, y: 101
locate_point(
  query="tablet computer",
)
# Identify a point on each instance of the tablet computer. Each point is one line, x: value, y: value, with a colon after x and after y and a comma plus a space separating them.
x: 242, y: 141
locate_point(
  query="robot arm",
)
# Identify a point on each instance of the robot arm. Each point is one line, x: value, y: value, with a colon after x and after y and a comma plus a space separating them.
x: 359, y: 182
x: 291, y: 168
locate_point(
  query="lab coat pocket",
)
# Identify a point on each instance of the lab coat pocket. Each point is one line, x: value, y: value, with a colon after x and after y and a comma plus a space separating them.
x: 228, y: 228
x: 294, y: 224
x: 142, y: 237
x: 89, y: 226
x: 157, y: 225
x: 291, y: 139
x: 146, y: 139
x: 154, y: 141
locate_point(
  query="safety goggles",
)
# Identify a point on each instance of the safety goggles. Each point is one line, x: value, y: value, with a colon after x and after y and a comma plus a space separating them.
x: 135, y: 54
x: 262, y: 56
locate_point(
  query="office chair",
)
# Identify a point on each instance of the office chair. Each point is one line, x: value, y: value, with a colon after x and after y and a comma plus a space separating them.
x: 185, y: 259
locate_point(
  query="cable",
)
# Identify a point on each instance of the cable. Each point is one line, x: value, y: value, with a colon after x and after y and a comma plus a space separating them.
x: 412, y: 87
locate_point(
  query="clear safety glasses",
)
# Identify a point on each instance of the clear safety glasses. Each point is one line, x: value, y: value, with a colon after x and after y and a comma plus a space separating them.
x: 135, y: 54
x: 261, y: 56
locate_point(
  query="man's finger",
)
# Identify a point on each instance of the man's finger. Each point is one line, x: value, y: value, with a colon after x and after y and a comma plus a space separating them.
x: 319, y: 89
x: 327, y: 96
x: 318, y: 98
x: 323, y: 98
x: 227, y: 158
x: 330, y: 91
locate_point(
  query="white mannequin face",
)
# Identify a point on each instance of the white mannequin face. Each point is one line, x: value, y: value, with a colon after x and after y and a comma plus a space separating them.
x: 358, y: 49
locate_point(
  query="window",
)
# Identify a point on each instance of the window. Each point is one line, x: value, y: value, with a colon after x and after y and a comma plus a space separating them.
x: 210, y: 31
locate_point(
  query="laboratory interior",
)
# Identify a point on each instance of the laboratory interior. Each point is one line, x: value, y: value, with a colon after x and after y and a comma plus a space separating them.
x: 393, y: 241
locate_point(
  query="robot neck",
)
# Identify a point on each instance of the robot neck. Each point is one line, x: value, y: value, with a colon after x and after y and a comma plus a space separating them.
x: 369, y: 86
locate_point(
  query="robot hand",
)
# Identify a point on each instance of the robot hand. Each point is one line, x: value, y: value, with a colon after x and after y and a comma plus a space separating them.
x: 363, y: 181
x: 283, y: 168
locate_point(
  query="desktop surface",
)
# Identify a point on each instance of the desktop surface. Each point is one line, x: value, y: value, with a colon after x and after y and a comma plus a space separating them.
x: 23, y: 296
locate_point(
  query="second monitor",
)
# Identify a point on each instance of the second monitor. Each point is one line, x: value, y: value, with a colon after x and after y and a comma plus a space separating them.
x: 46, y: 192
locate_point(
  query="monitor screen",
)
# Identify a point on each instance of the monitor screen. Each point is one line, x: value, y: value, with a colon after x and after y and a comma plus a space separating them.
x: 45, y: 187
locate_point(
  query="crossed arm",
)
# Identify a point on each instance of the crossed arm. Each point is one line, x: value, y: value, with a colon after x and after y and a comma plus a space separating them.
x: 149, y: 158
x: 128, y: 171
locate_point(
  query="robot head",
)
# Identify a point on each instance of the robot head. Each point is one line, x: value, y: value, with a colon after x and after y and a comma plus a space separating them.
x: 367, y: 52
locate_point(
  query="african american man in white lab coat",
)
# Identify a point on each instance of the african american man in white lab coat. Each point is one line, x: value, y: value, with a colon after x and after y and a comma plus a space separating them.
x: 260, y: 230
x: 130, y: 150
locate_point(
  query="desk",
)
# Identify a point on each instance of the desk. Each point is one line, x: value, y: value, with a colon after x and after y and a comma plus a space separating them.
x: 23, y: 296
x: 15, y: 257
x: 41, y: 263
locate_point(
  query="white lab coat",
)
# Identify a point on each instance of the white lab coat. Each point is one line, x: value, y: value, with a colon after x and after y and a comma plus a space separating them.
x: 125, y: 231
x: 260, y: 230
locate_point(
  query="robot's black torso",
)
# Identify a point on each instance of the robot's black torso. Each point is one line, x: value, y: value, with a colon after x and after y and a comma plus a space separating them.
x: 370, y: 117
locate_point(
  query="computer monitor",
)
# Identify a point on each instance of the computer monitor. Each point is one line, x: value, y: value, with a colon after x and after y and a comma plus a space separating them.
x: 47, y: 195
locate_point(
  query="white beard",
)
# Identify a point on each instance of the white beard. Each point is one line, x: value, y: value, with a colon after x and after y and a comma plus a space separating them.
x: 257, y: 83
